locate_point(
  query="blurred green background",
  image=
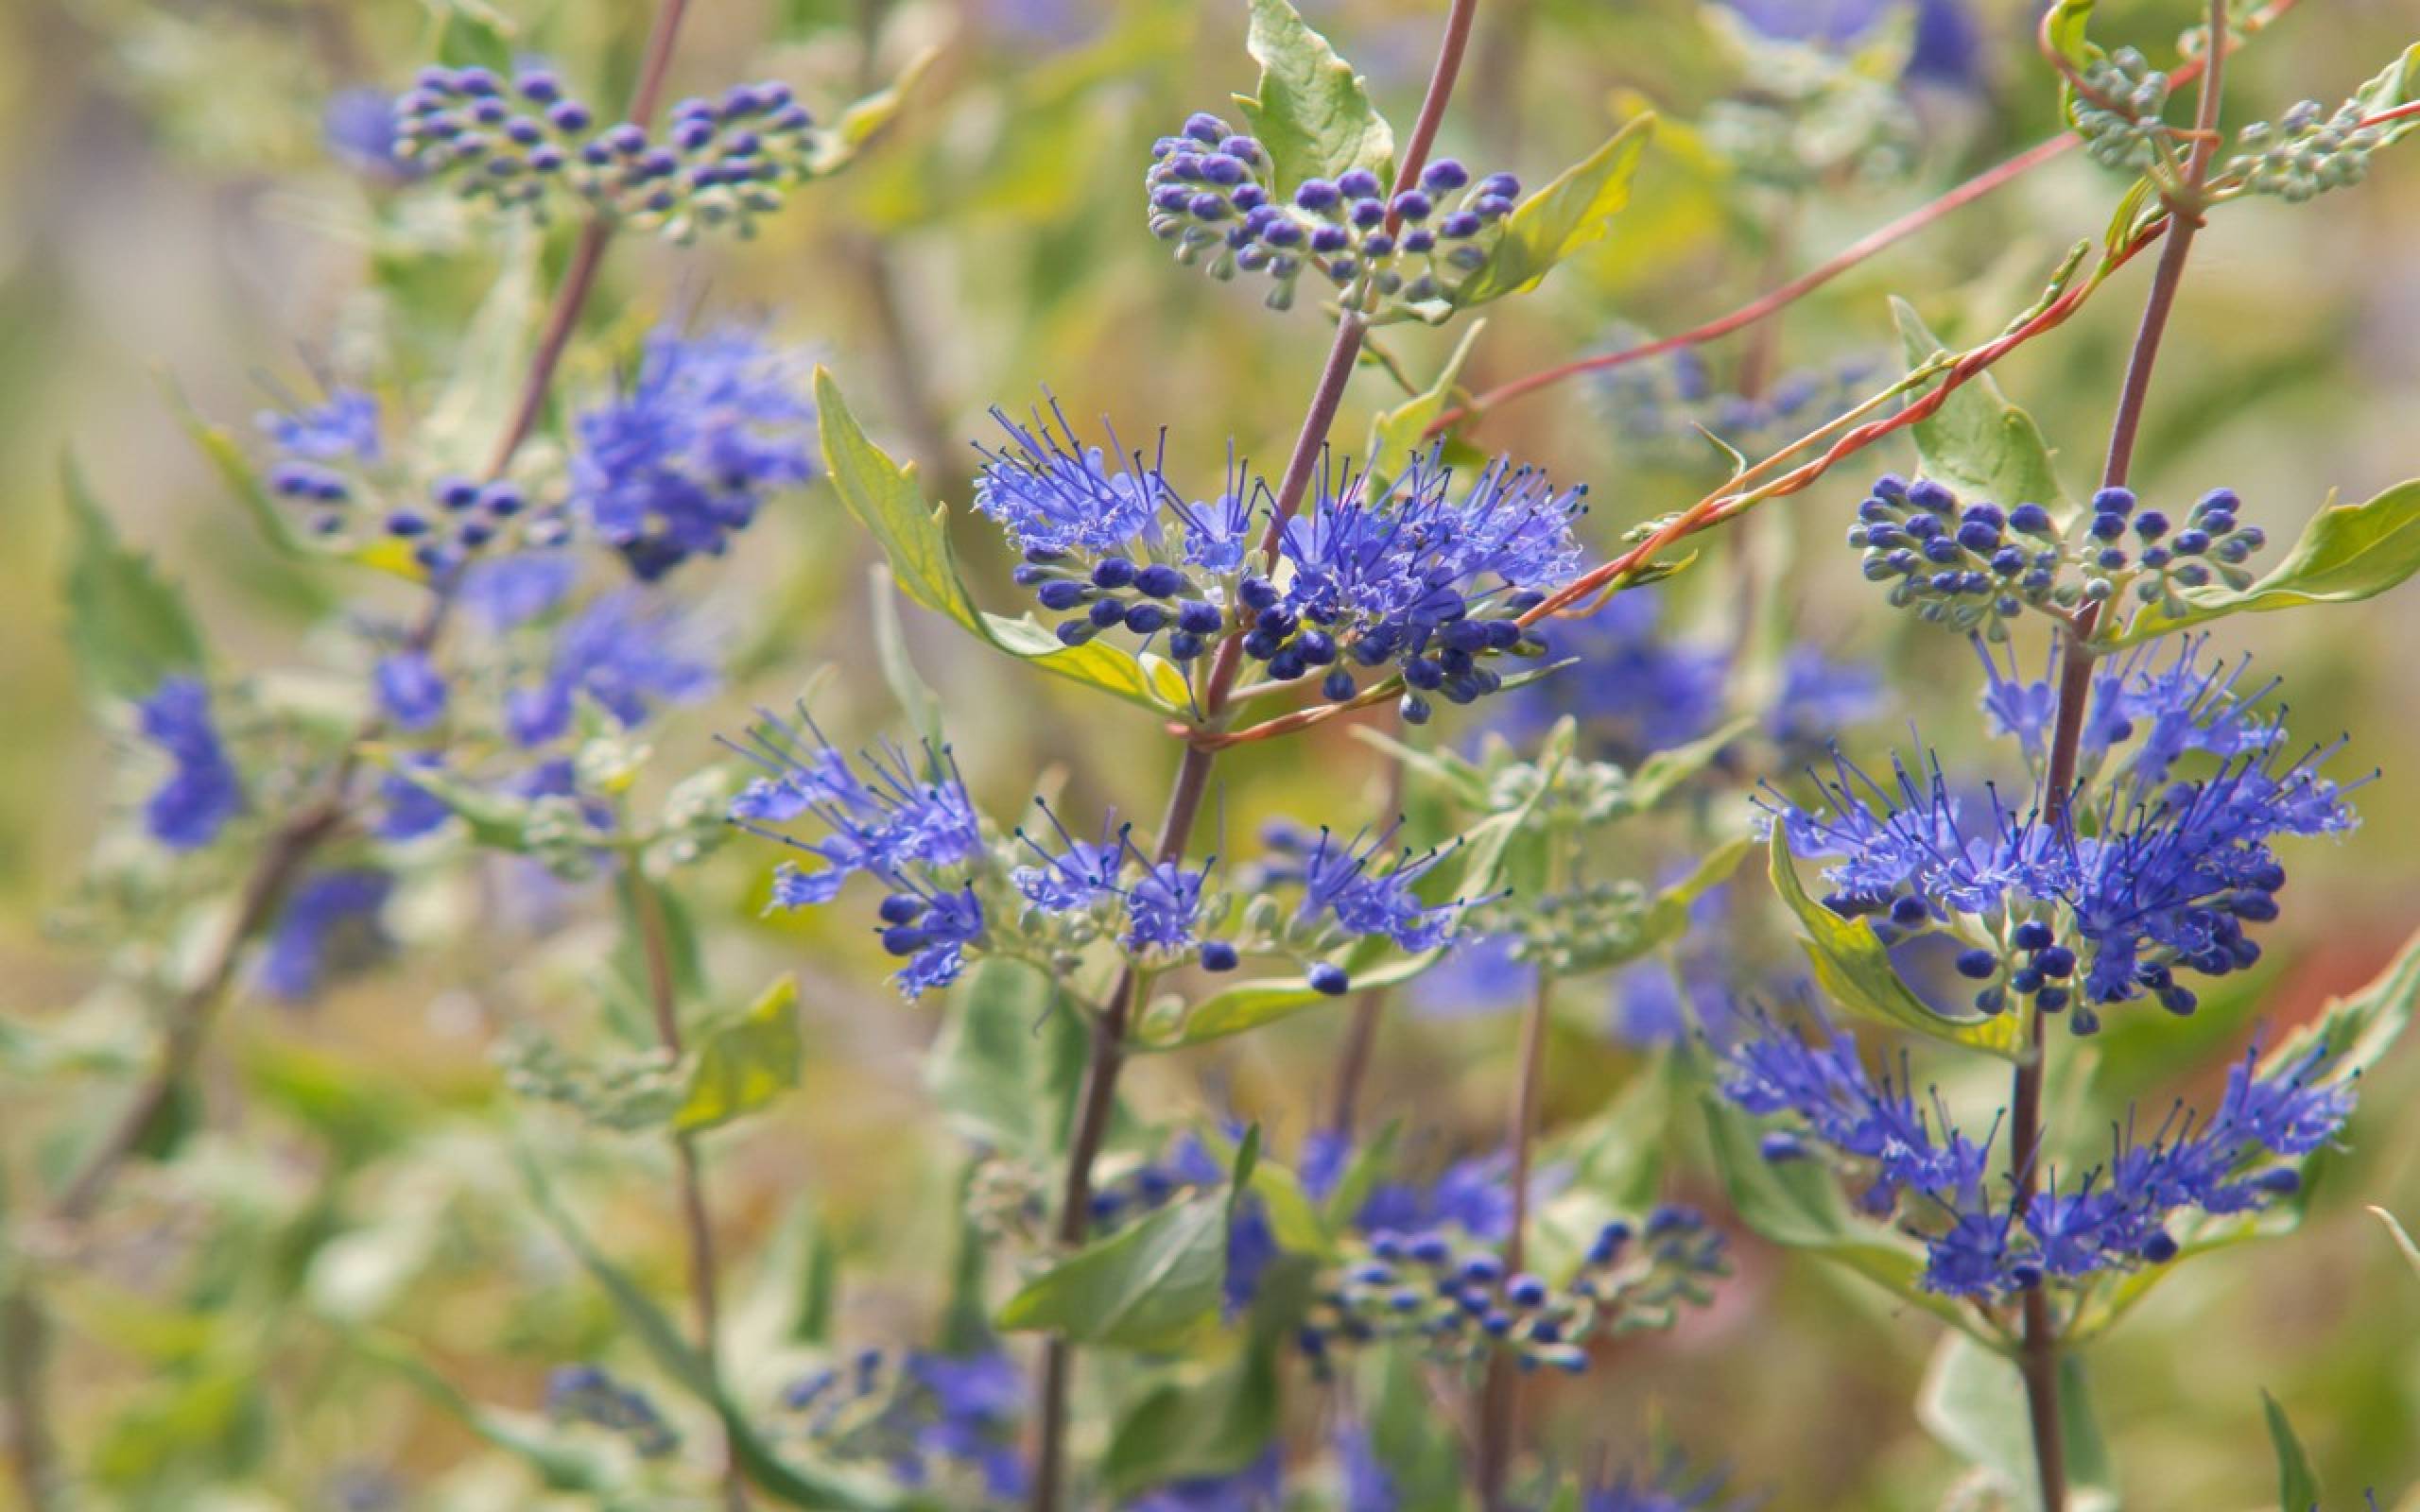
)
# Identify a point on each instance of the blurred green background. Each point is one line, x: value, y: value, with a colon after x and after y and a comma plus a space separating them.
x: 167, y: 206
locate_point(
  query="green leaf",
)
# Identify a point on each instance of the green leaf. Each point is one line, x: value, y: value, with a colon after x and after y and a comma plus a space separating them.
x: 1973, y: 1400
x: 2298, y: 1483
x: 745, y: 1064
x: 1196, y: 1422
x: 470, y: 33
x: 1143, y: 1288
x: 917, y: 699
x: 2349, y: 552
x: 1854, y: 970
x: 1574, y: 212
x: 1660, y: 774
x: 2396, y: 84
x: 2402, y: 1240
x: 1371, y: 962
x: 885, y: 498
x: 2065, y: 32
x: 1977, y: 443
x: 1005, y: 1070
x: 129, y: 627
x: 2358, y: 1029
x: 1798, y: 1204
x: 1397, y: 434
x: 1313, y: 113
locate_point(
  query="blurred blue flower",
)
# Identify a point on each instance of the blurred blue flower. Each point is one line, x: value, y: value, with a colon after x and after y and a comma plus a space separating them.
x: 412, y: 690
x: 329, y: 924
x: 202, y: 791
x: 627, y: 651
x: 1257, y: 1488
x: 1669, y: 1486
x: 358, y: 126
x: 506, y: 591
x: 681, y: 460
x: 407, y: 810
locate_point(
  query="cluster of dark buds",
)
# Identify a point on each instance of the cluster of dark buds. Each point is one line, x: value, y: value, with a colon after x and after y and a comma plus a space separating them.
x: 528, y: 144
x: 2306, y: 152
x: 330, y: 462
x: 1213, y: 194
x: 585, y: 1394
x: 1457, y: 1298
x: 1975, y: 567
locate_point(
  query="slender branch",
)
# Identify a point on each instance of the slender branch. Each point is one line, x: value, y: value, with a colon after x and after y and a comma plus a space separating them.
x: 1500, y: 1399
x: 1110, y: 1028
x: 1850, y: 256
x: 664, y: 998
x: 2039, y: 1345
x: 1780, y: 297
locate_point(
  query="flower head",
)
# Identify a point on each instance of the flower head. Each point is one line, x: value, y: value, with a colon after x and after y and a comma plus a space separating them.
x: 681, y: 460
x: 203, y: 791
x: 331, y: 921
x: 625, y: 652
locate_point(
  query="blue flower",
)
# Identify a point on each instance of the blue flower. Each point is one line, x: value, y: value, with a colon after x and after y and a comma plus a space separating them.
x: 1369, y: 1486
x: 1416, y: 579
x: 930, y: 1413
x: 410, y: 690
x: 345, y: 428
x: 1362, y: 891
x: 1054, y: 495
x: 914, y: 832
x: 203, y: 792
x: 1473, y: 1195
x: 2112, y: 1217
x: 1637, y: 689
x: 1161, y: 902
x: 2169, y: 873
x: 408, y: 810
x: 1257, y: 1488
x: 585, y: 1393
x: 331, y: 920
x: 682, y: 458
x: 627, y: 652
x: 1819, y: 697
x: 507, y: 591
x: 358, y: 126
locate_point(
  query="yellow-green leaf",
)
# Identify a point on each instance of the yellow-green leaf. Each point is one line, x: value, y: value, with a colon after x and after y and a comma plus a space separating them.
x: 887, y: 499
x: 745, y: 1064
x: 2348, y: 552
x: 1977, y: 443
x: 129, y: 626
x: 1313, y: 113
x: 1573, y: 212
x: 1854, y: 970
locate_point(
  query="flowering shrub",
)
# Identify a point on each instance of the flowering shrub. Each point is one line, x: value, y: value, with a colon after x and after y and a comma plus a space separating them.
x: 1221, y: 973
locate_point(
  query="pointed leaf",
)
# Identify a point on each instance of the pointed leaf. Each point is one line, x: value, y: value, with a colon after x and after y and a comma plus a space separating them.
x: 1143, y: 1288
x: 1196, y: 1424
x: 743, y: 1065
x: 2298, y: 1483
x: 2349, y: 552
x: 1005, y: 1070
x: 129, y: 626
x: 1977, y: 443
x: 1854, y: 971
x: 885, y: 498
x: 1572, y: 213
x: 1313, y: 113
x: 1396, y: 435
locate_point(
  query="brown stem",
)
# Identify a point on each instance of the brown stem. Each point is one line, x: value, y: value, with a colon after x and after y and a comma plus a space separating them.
x: 1108, y: 1052
x: 663, y: 997
x: 2039, y: 1344
x: 1500, y: 1399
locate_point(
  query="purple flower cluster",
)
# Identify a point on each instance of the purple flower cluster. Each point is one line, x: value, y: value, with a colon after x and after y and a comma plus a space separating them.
x: 330, y: 922
x: 2168, y: 876
x: 1357, y: 888
x: 930, y: 1420
x: 1417, y: 580
x: 2113, y: 1217
x: 908, y: 825
x: 1152, y: 906
x: 681, y: 460
x: 1211, y: 192
x: 527, y: 142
